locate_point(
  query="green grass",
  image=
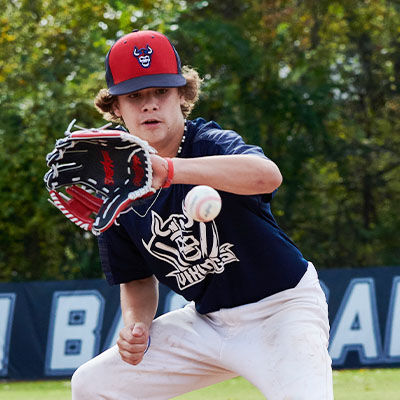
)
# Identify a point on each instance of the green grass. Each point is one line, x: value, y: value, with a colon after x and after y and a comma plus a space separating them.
x: 39, y: 390
x: 365, y: 384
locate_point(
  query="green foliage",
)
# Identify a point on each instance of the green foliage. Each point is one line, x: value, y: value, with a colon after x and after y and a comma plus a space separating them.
x: 50, y: 54
x: 316, y: 84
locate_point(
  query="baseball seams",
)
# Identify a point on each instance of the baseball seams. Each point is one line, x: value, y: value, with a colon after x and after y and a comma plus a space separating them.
x: 203, y: 203
x: 204, y: 208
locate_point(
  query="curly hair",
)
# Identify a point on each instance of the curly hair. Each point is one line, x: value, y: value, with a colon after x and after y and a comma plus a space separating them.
x: 104, y: 101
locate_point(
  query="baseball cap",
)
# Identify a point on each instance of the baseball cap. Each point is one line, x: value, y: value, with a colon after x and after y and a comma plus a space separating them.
x: 140, y: 60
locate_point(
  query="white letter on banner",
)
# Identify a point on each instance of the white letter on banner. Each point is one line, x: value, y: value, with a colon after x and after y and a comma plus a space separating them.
x: 7, y: 302
x: 392, y: 337
x: 356, y: 324
x: 74, y: 330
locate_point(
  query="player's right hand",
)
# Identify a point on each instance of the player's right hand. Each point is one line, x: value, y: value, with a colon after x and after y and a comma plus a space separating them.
x: 132, y: 342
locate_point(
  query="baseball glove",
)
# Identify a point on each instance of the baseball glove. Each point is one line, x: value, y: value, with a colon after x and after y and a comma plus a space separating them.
x: 102, y: 170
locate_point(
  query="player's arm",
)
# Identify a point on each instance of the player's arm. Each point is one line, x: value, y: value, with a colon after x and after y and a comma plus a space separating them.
x: 237, y: 173
x: 139, y: 300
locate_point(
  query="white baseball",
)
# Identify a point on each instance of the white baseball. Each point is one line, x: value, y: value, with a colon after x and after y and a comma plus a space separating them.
x: 203, y: 203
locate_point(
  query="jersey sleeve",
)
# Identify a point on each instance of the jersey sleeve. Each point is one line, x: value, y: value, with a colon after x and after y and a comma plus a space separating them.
x: 120, y: 259
x: 212, y: 140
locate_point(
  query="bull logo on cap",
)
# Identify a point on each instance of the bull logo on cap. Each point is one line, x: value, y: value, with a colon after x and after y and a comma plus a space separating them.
x: 143, y: 55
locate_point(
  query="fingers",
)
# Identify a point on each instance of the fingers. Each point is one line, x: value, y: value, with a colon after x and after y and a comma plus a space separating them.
x: 62, y: 175
x: 64, y: 168
x: 132, y: 343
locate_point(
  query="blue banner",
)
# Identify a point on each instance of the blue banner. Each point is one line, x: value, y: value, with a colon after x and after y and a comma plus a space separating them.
x: 48, y: 329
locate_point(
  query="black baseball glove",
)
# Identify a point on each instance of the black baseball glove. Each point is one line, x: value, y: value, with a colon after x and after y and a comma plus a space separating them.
x: 103, y: 170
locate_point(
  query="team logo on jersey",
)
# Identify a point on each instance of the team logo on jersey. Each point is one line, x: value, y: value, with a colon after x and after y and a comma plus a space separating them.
x: 192, y: 248
x: 143, y: 55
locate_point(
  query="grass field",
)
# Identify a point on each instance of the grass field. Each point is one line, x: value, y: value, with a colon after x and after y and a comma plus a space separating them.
x: 366, y: 384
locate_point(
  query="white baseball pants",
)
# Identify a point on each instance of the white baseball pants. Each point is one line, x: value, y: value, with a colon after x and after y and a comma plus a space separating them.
x: 279, y: 344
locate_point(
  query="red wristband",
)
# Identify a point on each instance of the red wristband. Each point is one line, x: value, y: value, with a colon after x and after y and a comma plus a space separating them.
x: 170, y: 175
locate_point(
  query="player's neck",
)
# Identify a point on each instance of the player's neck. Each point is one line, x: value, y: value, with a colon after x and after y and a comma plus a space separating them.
x: 173, y: 146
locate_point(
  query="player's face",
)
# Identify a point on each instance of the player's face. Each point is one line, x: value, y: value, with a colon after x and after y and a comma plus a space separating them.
x: 154, y: 115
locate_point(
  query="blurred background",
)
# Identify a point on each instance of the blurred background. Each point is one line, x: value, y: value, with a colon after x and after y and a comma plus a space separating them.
x: 315, y: 83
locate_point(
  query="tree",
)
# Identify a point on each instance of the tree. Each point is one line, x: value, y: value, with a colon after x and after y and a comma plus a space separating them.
x: 316, y: 84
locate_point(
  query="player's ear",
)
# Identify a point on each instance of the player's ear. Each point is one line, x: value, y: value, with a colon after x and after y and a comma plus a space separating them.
x: 182, y: 99
x: 115, y: 108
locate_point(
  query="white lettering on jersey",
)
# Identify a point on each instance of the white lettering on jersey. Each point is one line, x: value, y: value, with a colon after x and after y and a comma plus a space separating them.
x: 192, y: 248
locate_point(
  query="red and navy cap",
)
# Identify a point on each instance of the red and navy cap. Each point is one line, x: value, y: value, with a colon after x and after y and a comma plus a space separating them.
x: 140, y: 60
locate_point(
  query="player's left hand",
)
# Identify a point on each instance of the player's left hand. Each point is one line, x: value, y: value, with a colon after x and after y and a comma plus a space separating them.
x: 113, y: 164
x: 133, y: 342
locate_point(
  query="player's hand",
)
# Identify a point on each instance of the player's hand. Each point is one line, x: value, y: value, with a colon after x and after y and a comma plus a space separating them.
x: 160, y: 171
x: 132, y: 342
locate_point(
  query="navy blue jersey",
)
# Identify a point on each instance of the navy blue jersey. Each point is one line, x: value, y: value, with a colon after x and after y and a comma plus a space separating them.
x: 240, y: 257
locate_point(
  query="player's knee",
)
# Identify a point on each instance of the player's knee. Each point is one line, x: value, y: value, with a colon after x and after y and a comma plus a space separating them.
x: 83, y: 384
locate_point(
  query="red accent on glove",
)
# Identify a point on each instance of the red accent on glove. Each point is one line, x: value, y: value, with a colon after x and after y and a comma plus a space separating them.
x: 79, y: 207
x: 138, y: 170
x: 83, y: 200
x: 108, y: 166
x: 170, y: 175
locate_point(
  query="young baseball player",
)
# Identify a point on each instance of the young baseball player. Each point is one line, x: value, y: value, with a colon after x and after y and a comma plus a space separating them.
x: 256, y: 307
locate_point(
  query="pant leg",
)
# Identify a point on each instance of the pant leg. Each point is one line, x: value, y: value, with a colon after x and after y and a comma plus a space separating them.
x: 280, y: 344
x: 181, y: 358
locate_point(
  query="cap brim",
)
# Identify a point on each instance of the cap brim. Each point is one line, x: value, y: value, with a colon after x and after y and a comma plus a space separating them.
x: 147, y: 81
